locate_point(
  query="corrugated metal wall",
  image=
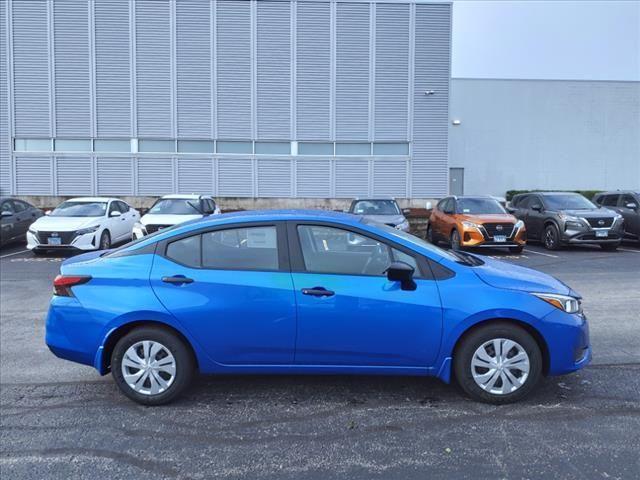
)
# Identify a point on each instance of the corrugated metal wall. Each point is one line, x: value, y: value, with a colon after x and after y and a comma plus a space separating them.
x: 323, y: 71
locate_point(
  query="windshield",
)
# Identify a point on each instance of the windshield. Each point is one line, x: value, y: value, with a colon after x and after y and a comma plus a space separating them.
x: 80, y: 209
x: 175, y: 206
x: 478, y: 206
x: 567, y: 202
x: 376, y: 207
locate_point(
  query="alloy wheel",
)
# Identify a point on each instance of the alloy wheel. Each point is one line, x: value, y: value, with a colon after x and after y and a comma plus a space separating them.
x: 148, y: 367
x: 105, y: 241
x: 549, y: 238
x: 500, y: 366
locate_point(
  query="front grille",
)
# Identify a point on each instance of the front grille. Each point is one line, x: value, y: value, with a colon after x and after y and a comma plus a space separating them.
x: 600, y: 222
x: 65, y: 237
x: 494, y: 229
x: 155, y: 228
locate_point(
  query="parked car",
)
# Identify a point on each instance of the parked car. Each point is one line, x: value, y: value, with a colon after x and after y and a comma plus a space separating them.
x: 287, y: 292
x: 565, y: 218
x: 382, y: 210
x: 89, y: 223
x: 627, y: 204
x: 16, y: 216
x: 467, y: 221
x: 171, y: 210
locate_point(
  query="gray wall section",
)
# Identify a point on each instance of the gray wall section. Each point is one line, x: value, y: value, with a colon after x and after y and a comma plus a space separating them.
x: 225, y: 69
x: 537, y: 134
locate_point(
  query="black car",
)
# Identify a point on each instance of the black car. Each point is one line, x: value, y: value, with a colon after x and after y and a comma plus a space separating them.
x: 16, y: 216
x: 563, y: 218
x: 627, y: 204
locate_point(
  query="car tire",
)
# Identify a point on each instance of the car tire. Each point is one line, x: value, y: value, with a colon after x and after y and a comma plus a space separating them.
x: 105, y: 240
x: 455, y: 240
x: 516, y: 249
x: 609, y: 247
x: 551, y: 239
x: 176, y: 365
x: 470, y: 375
x: 430, y: 237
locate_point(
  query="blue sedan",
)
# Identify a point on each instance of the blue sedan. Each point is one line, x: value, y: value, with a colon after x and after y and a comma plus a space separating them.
x: 310, y: 292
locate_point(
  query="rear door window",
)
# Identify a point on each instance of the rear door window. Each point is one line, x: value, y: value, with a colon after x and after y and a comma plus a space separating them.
x: 185, y: 251
x: 251, y: 248
x: 609, y: 200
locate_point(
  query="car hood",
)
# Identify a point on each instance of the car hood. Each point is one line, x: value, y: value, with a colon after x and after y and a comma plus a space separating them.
x: 160, y: 219
x: 387, y: 219
x: 513, y: 277
x: 488, y: 218
x: 64, y: 224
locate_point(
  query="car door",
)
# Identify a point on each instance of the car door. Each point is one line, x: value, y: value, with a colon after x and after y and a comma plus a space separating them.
x: 130, y: 216
x: 24, y: 216
x: 441, y: 216
x: 534, y: 216
x: 7, y: 222
x: 631, y: 214
x: 349, y: 313
x: 116, y: 224
x: 231, y: 288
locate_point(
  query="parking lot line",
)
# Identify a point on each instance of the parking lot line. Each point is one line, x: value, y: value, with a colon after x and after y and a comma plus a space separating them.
x: 540, y: 253
x: 14, y: 253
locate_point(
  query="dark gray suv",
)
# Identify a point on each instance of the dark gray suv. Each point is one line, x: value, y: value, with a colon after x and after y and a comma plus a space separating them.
x: 559, y: 218
x: 627, y: 204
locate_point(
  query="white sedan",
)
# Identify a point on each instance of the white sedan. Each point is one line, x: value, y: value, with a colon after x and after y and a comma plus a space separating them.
x: 91, y: 223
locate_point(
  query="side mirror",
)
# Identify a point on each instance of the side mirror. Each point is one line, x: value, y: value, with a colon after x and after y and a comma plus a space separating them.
x: 429, y: 206
x: 632, y: 206
x: 401, y: 272
x: 47, y: 212
x: 6, y: 213
x: 406, y: 211
x: 537, y: 207
x: 115, y: 213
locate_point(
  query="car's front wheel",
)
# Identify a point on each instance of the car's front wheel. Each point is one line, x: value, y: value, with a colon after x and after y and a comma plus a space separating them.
x: 152, y: 366
x: 455, y: 240
x: 105, y: 241
x: 498, y: 363
x: 551, y: 238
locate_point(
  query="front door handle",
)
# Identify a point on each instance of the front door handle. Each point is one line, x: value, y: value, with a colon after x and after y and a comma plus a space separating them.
x: 177, y: 279
x: 318, y: 292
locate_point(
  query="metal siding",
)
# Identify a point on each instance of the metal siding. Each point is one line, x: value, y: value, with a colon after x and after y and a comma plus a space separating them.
x: 234, y: 69
x: 392, y: 72
x: 113, y: 72
x: 5, y: 154
x: 352, y: 71
x: 313, y: 64
x: 273, y: 76
x: 193, y: 69
x: 429, y: 166
x: 73, y: 175
x: 153, y: 68
x: 33, y: 175
x: 195, y: 175
x: 235, y: 177
x: 72, y: 68
x: 390, y: 177
x: 352, y: 178
x: 115, y: 175
x: 155, y: 176
x: 313, y: 178
x: 274, y: 178
x: 31, y: 68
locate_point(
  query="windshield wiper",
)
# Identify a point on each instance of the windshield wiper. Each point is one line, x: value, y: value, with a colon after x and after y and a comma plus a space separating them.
x: 196, y: 208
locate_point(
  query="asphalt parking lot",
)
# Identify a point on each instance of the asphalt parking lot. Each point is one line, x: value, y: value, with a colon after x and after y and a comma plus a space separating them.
x: 63, y: 420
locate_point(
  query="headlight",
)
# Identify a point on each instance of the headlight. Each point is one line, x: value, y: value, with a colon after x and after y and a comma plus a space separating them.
x: 402, y: 226
x: 84, y: 231
x: 470, y: 225
x: 570, y: 218
x: 563, y: 302
x: 519, y: 224
x: 33, y: 230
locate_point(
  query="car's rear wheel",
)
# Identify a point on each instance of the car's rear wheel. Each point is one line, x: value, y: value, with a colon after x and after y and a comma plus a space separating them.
x: 498, y: 363
x: 430, y: 234
x: 609, y: 247
x: 551, y: 238
x: 105, y: 241
x: 152, y: 366
x: 455, y: 240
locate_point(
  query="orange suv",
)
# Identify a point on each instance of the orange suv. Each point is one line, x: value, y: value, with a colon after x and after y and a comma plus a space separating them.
x: 475, y: 222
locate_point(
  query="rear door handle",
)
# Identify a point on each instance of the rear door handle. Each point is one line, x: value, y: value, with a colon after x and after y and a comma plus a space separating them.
x: 318, y: 292
x: 177, y: 279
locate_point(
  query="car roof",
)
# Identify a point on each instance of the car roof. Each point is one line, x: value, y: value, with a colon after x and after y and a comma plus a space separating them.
x: 618, y: 192
x: 92, y: 199
x: 376, y: 199
x: 180, y: 196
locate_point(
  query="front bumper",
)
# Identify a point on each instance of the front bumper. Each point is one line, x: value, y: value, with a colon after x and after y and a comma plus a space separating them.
x: 84, y: 242
x: 473, y: 237
x: 568, y: 343
x: 591, y: 236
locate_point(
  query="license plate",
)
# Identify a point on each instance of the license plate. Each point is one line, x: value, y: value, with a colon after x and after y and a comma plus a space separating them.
x: 499, y: 238
x: 602, y: 233
x: 54, y: 241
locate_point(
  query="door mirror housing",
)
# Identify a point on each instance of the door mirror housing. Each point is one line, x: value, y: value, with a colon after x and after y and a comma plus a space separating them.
x: 632, y: 206
x: 115, y: 213
x: 6, y: 213
x: 406, y: 211
x: 537, y: 207
x: 401, y: 272
x: 428, y: 206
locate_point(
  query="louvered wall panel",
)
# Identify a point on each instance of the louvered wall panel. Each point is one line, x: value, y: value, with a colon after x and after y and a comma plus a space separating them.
x: 72, y: 69
x: 273, y: 76
x: 113, y: 70
x: 5, y: 158
x: 155, y: 176
x: 429, y: 170
x: 313, y: 177
x: 195, y: 175
x: 235, y: 177
x: 73, y: 175
x: 390, y: 177
x: 193, y: 68
x: 392, y: 72
x: 33, y: 175
x: 234, y: 69
x: 313, y: 71
x: 352, y: 71
x: 352, y: 178
x: 31, y: 68
x: 153, y: 68
x: 274, y: 178
x: 115, y: 175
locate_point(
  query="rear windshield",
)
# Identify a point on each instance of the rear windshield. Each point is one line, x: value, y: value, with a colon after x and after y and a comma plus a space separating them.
x: 375, y: 207
x: 478, y: 206
x: 567, y: 202
x: 175, y: 206
x: 80, y: 209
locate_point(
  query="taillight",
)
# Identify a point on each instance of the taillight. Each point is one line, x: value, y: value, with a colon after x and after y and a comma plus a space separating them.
x: 62, y: 284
